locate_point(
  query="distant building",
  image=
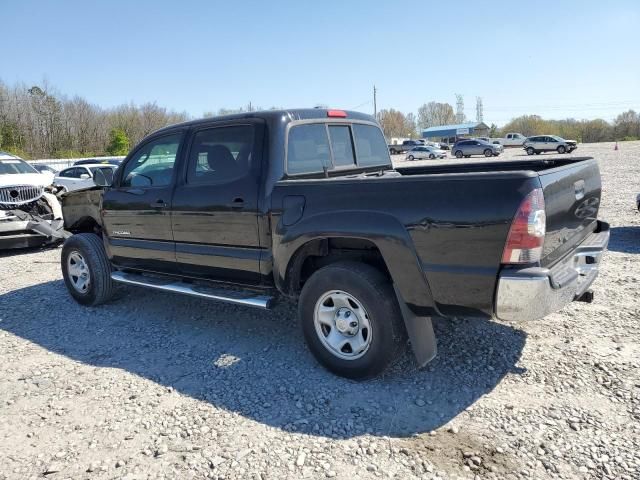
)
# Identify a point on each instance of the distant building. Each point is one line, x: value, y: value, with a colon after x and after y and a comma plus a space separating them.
x: 450, y: 133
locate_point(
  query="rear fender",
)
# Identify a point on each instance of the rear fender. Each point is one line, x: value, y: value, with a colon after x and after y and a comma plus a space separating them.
x: 384, y: 231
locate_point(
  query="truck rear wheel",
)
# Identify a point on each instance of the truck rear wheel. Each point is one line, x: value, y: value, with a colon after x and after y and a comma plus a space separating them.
x: 86, y: 269
x: 351, y: 320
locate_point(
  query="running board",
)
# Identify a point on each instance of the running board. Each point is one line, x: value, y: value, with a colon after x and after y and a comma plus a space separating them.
x: 236, y: 297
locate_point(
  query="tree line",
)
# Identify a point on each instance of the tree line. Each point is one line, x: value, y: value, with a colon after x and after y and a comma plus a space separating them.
x: 626, y: 126
x: 38, y: 122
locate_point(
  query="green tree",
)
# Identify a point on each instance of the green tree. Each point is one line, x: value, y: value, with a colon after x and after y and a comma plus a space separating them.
x: 494, y: 131
x: 118, y: 142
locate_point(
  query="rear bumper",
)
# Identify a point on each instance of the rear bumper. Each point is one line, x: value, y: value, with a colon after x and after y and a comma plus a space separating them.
x: 532, y: 293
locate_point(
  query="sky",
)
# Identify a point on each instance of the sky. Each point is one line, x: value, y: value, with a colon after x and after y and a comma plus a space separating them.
x: 578, y: 59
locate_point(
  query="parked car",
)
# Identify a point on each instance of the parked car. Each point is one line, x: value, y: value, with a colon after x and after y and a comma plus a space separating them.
x: 80, y: 176
x: 474, y: 146
x: 444, y: 146
x: 549, y: 143
x: 305, y: 204
x: 42, y: 168
x: 638, y: 202
x: 404, y: 146
x: 418, y: 153
x: 95, y: 161
x: 23, y: 198
x: 510, y: 140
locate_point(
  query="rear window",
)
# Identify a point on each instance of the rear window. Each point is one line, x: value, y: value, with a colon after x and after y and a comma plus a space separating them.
x: 371, y: 146
x: 311, y: 150
x: 342, y: 146
x: 308, y: 150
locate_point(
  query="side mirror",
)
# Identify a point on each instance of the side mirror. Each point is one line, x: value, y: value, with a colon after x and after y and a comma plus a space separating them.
x: 103, y: 177
x: 85, y: 176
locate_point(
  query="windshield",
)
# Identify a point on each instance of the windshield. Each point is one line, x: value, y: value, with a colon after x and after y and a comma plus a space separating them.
x: 560, y: 139
x: 14, y: 166
x: 483, y: 142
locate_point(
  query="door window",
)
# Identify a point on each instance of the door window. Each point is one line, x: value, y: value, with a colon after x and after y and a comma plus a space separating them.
x: 221, y: 154
x: 153, y: 164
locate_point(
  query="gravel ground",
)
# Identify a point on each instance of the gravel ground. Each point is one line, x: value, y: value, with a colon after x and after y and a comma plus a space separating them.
x: 163, y: 386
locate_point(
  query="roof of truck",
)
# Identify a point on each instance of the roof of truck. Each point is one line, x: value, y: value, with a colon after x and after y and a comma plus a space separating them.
x: 285, y: 114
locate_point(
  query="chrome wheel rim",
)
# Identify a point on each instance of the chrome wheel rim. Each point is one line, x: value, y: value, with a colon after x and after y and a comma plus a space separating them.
x: 342, y: 325
x: 78, y: 272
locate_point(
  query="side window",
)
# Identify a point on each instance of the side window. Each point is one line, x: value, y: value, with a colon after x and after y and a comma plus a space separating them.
x: 68, y: 173
x: 341, y: 145
x: 152, y: 165
x: 220, y: 154
x: 370, y: 145
x: 308, y: 149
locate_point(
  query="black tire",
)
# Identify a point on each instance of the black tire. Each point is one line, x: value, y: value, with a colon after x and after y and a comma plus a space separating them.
x: 374, y: 291
x: 488, y: 153
x: 458, y: 154
x: 91, y: 249
x: 561, y: 149
x: 411, y: 157
x: 530, y: 151
x: 538, y: 153
x: 392, y: 151
x: 432, y: 156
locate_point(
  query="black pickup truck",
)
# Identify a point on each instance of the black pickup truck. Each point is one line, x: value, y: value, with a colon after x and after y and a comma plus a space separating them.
x: 305, y: 204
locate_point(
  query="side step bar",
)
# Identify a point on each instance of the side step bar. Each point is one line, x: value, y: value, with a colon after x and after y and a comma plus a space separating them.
x: 236, y: 297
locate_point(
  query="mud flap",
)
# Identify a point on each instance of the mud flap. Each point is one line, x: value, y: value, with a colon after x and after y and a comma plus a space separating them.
x: 420, y: 331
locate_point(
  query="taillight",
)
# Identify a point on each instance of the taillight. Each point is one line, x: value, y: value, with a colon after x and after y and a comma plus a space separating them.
x: 526, y: 235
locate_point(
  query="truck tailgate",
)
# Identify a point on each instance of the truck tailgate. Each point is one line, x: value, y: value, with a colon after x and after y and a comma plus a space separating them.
x: 572, y: 198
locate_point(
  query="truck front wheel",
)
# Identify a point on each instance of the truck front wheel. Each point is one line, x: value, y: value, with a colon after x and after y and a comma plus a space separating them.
x: 86, y: 269
x: 351, y: 320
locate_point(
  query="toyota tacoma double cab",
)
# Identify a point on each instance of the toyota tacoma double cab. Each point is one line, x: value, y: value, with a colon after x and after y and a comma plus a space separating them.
x: 306, y: 205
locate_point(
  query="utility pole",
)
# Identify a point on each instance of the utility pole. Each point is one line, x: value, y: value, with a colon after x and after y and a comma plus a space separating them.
x: 375, y: 104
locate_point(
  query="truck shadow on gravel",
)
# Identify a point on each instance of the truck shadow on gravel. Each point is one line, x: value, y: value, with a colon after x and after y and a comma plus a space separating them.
x: 255, y: 363
x: 625, y: 239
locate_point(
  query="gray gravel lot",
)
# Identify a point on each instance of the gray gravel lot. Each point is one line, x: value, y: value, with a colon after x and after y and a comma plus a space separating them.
x: 155, y: 385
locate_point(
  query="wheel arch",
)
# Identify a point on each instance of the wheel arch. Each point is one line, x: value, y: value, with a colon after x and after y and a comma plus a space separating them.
x: 380, y: 238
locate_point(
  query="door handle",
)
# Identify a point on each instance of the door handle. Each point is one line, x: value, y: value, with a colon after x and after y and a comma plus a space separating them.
x: 158, y: 204
x: 237, y: 203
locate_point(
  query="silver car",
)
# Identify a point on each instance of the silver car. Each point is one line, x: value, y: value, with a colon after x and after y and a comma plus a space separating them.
x: 475, y: 146
x: 419, y: 153
x: 549, y: 143
x: 79, y: 176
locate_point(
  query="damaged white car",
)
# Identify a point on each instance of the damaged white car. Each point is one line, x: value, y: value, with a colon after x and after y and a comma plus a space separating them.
x: 30, y: 213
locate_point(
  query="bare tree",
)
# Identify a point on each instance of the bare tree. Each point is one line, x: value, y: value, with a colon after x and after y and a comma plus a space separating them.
x: 433, y: 114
